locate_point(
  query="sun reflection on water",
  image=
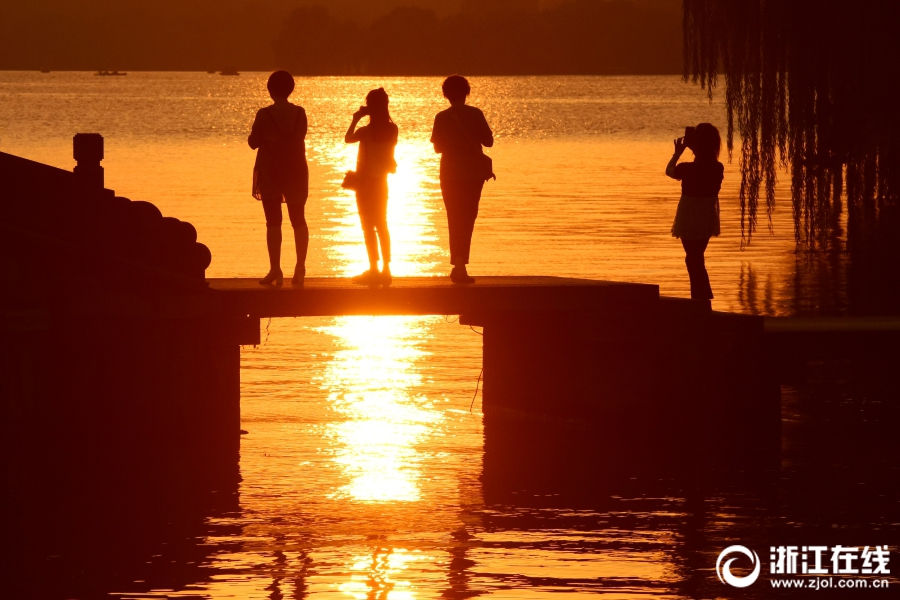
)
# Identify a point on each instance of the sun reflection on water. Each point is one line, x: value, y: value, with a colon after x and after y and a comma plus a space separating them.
x: 375, y: 576
x: 381, y: 422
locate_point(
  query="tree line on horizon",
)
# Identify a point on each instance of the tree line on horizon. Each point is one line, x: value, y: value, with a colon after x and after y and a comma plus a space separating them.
x: 576, y: 37
x: 312, y: 37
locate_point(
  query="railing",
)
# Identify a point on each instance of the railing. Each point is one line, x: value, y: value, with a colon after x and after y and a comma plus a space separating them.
x: 65, y: 226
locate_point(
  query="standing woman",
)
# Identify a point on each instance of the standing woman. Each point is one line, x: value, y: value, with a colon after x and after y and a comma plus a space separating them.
x: 374, y: 161
x: 281, y: 174
x: 458, y: 136
x: 697, y: 217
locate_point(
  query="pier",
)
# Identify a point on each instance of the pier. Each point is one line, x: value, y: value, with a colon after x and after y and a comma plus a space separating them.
x: 332, y: 297
x: 118, y: 349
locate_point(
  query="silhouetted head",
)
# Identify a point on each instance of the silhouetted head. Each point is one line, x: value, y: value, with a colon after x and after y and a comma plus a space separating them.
x: 280, y: 84
x: 377, y: 103
x: 704, y: 141
x: 456, y: 88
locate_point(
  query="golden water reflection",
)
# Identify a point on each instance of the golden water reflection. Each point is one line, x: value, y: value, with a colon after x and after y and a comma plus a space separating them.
x: 371, y: 384
x: 381, y: 421
x: 372, y: 376
x: 375, y: 576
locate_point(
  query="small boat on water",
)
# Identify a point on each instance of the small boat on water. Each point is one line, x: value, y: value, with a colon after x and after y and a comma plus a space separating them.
x: 45, y: 70
x: 229, y: 71
x: 113, y: 73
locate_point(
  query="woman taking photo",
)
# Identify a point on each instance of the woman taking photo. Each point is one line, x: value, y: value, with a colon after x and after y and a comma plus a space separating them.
x: 697, y: 216
x: 374, y: 161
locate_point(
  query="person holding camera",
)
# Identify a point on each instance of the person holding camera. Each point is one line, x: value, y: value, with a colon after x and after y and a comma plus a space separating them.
x: 374, y: 161
x: 280, y: 173
x: 458, y: 136
x: 697, y: 216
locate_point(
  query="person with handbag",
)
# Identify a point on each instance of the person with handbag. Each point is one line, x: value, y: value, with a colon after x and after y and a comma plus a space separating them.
x: 281, y: 174
x: 458, y: 135
x: 374, y: 161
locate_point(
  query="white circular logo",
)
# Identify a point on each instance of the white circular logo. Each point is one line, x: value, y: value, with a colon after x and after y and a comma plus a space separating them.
x: 724, y: 570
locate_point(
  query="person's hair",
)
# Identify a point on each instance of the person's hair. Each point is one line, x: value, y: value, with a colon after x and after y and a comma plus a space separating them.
x: 456, y: 87
x: 706, y: 142
x: 280, y: 84
x: 377, y: 103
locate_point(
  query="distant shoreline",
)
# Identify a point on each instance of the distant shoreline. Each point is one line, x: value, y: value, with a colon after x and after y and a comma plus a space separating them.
x: 47, y: 70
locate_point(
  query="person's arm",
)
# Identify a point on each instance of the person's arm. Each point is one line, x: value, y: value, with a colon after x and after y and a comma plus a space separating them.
x: 351, y: 136
x: 487, y: 136
x: 436, y: 136
x: 255, y: 137
x: 303, y: 126
x: 679, y: 150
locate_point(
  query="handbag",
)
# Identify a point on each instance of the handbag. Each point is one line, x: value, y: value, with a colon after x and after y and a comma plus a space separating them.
x: 483, y: 165
x: 485, y: 168
x: 351, y: 180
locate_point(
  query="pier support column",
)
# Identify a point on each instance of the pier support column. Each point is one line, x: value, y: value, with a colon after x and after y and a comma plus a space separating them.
x: 665, y: 382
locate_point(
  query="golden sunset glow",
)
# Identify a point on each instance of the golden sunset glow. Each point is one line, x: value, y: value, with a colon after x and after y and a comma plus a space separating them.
x: 381, y: 425
x: 376, y: 576
x: 617, y: 309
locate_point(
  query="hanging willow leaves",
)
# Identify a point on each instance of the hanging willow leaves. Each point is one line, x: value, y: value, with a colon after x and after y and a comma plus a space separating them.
x: 811, y: 85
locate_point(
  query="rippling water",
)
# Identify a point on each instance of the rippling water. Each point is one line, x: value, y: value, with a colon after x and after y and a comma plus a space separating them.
x: 364, y: 473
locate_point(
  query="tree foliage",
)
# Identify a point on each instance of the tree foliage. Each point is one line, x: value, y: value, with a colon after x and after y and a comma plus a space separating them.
x: 809, y: 83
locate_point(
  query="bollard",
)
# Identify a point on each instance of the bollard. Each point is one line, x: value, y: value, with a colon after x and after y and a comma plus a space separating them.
x: 87, y: 149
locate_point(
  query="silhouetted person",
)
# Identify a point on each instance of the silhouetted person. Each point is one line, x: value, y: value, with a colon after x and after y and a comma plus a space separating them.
x: 458, y: 135
x: 697, y: 217
x: 374, y: 161
x: 281, y: 174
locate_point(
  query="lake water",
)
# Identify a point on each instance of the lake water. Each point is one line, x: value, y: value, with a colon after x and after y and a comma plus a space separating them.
x: 362, y: 475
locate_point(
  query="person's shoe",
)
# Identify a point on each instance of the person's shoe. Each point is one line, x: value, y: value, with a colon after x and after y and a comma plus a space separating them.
x: 299, y: 275
x: 460, y: 275
x: 385, y: 276
x: 370, y: 277
x: 274, y: 278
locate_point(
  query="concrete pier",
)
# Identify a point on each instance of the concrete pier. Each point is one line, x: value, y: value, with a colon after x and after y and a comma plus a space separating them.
x: 114, y: 340
x: 610, y: 360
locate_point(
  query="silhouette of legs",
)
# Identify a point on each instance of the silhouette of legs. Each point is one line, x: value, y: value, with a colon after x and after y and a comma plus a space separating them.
x: 272, y: 208
x: 371, y: 201
x: 384, y: 239
x: 461, y: 199
x: 696, y: 266
x: 296, y: 207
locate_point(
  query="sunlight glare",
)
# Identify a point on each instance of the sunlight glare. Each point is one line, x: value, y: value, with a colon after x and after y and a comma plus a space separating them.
x: 381, y: 425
